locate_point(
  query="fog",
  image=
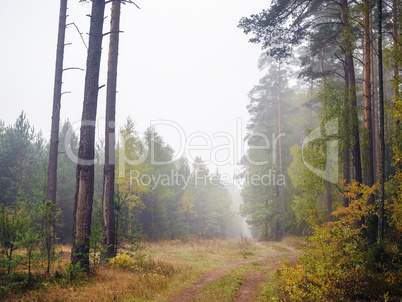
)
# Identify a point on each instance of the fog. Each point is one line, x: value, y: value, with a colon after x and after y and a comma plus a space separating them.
x: 181, y: 61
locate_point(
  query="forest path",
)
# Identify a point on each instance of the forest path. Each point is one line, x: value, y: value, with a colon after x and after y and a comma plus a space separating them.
x: 248, y: 290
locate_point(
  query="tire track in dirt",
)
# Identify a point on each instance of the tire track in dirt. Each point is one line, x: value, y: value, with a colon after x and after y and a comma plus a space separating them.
x: 249, y: 288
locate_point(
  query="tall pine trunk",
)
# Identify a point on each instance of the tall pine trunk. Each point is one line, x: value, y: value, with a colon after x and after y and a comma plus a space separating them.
x: 51, y: 189
x: 279, y: 128
x: 381, y: 193
x: 346, y: 147
x: 354, y: 121
x: 397, y: 50
x: 108, y: 219
x: 84, y: 190
x: 374, y: 105
x: 368, y: 145
x: 397, y: 47
x: 328, y: 189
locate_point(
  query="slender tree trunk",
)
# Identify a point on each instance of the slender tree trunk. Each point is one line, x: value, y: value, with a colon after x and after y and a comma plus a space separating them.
x: 328, y: 193
x: 396, y: 47
x: 108, y: 218
x: 352, y: 91
x: 51, y: 188
x: 266, y: 223
x: 310, y: 114
x: 279, y: 117
x: 116, y: 236
x: 85, y: 168
x: 374, y: 105
x: 346, y: 151
x: 369, y: 160
x: 381, y: 175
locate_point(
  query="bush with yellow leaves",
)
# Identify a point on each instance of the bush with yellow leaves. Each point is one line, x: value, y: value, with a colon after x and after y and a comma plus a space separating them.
x: 335, y: 264
x: 122, y: 261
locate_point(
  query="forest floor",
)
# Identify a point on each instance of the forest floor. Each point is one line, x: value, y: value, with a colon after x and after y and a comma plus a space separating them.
x: 198, y: 270
x: 252, y: 283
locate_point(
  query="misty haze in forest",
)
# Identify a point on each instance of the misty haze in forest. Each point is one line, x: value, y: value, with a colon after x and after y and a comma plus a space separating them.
x: 164, y: 143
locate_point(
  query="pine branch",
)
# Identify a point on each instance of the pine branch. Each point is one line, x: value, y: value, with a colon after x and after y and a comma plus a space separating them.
x: 123, y: 2
x: 80, y: 33
x: 73, y: 68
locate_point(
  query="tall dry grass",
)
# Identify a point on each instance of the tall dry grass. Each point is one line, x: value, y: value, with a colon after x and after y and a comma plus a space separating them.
x: 167, y: 268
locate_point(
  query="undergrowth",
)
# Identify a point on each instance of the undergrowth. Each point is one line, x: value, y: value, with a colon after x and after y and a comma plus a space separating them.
x: 143, y: 272
x: 338, y: 264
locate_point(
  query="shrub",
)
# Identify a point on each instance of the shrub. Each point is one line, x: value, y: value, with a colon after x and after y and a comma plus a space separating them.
x: 71, y: 272
x: 334, y: 263
x: 122, y: 261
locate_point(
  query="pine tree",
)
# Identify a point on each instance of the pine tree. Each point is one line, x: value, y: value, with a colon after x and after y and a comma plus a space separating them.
x: 108, y: 219
x: 85, y: 168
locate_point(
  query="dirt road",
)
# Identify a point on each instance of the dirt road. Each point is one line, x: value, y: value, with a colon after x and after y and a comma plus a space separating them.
x: 251, y: 285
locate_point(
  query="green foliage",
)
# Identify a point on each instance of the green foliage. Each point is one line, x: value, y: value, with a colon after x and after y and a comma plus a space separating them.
x: 29, y: 242
x: 13, y: 225
x: 280, y: 27
x: 122, y: 261
x: 159, y: 198
x: 71, y: 272
x: 205, y: 203
x: 336, y: 264
x: 395, y: 184
x: 66, y: 170
x: 49, y: 214
x: 141, y: 260
x: 262, y: 176
x: 131, y: 149
x: 140, y: 254
x: 22, y: 154
x: 308, y: 188
x: 95, y: 244
x: 120, y: 204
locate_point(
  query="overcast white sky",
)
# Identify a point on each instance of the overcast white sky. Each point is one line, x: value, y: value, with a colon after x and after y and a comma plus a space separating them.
x: 180, y: 60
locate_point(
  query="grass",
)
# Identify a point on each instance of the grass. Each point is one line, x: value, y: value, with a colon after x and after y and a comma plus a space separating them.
x: 270, y: 288
x: 225, y: 288
x: 158, y: 272
x: 168, y: 268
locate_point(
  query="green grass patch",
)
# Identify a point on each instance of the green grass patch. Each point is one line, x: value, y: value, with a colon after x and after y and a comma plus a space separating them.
x: 270, y: 288
x: 225, y: 288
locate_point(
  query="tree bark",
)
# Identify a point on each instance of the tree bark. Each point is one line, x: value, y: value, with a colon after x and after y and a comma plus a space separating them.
x: 328, y: 189
x: 351, y: 91
x: 51, y: 188
x: 368, y: 150
x: 381, y: 192
x: 346, y: 147
x: 374, y: 105
x: 396, y: 47
x: 85, y: 168
x: 397, y: 50
x: 108, y: 217
x: 281, y: 187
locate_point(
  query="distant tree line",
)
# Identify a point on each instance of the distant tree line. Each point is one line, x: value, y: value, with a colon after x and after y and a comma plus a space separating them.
x: 151, y: 201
